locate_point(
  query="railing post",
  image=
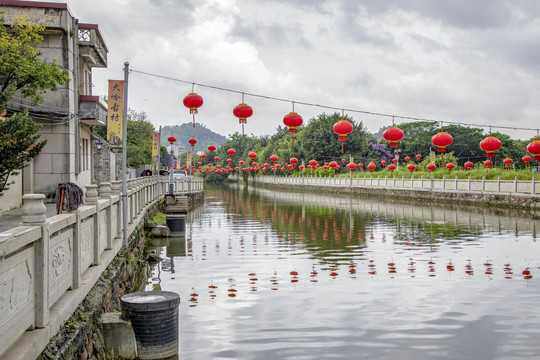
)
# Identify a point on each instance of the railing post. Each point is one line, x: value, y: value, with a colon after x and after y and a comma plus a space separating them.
x: 533, y: 183
x: 456, y: 183
x: 515, y: 184
x: 91, y: 198
x: 34, y: 214
x: 431, y: 182
x: 469, y: 183
x: 498, y: 184
x: 483, y: 183
x: 444, y: 182
x: 422, y: 182
x: 116, y: 189
x: 105, y: 193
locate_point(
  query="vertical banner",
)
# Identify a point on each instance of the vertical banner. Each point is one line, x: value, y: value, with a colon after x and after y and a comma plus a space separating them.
x: 115, y: 112
x: 155, y: 151
x: 188, y: 160
x: 432, y: 156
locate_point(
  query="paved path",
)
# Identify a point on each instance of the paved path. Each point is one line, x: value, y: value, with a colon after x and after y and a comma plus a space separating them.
x: 12, y: 218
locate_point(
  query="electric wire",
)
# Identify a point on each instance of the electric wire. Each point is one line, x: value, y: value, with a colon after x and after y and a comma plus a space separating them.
x: 330, y: 107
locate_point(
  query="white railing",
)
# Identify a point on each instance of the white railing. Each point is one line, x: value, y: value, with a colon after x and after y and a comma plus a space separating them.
x: 503, y: 187
x: 43, y: 258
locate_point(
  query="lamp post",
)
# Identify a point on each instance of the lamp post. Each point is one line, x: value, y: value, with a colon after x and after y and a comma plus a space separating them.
x: 171, y: 140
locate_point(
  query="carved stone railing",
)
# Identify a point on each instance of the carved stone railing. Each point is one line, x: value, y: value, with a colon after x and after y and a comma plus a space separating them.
x: 48, y: 265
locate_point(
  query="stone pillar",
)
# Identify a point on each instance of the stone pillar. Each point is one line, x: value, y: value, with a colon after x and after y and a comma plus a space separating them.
x: 106, y: 193
x: 91, y: 195
x: 116, y: 187
x: 105, y: 190
x: 92, y: 199
x: 34, y: 214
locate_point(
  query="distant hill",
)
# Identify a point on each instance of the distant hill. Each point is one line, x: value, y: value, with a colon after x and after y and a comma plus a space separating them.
x: 184, y: 132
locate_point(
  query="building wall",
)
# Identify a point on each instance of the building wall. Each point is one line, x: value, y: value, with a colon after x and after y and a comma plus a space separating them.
x: 12, y: 198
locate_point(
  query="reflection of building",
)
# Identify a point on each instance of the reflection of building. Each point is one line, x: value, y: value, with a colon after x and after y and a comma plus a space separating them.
x: 68, y: 114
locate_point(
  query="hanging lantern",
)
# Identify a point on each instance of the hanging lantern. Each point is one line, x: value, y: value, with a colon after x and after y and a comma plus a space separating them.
x: 274, y: 158
x: 394, y: 160
x: 229, y: 160
x: 411, y: 167
x: 383, y: 163
x: 507, y: 162
x: 193, y: 102
x: 430, y: 167
x: 242, y: 112
x: 216, y: 158
x: 392, y: 167
x: 211, y: 148
x: 371, y: 166
x: 278, y: 166
x: 418, y: 156
x: 301, y: 168
x: 231, y: 152
x: 325, y: 167
x: 241, y: 162
x: 469, y: 165
x: 342, y: 128
x: 488, y: 164
x: 393, y: 134
x: 292, y: 120
x: 526, y: 159
x: 407, y: 158
x: 534, y: 149
x: 360, y: 166
x: 203, y: 156
x: 252, y: 155
x: 333, y: 165
x: 450, y: 166
x: 442, y: 140
x: 351, y: 166
x: 192, y: 141
x: 490, y: 145
x: 171, y: 139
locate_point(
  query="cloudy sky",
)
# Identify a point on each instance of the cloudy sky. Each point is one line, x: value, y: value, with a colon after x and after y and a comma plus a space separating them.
x: 467, y: 61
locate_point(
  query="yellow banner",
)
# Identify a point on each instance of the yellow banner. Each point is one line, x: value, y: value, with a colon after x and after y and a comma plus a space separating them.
x: 188, y: 159
x: 115, y: 113
x: 155, y: 150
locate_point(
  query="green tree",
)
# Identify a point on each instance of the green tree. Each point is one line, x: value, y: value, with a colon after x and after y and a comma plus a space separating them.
x: 22, y: 71
x: 317, y: 139
x: 18, y: 145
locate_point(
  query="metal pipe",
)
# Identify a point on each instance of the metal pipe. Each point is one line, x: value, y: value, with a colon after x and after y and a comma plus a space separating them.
x: 124, y: 156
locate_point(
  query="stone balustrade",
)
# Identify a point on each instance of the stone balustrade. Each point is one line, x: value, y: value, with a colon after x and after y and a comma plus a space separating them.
x: 48, y: 265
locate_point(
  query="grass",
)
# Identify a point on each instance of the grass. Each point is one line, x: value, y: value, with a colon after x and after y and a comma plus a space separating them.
x: 159, y: 218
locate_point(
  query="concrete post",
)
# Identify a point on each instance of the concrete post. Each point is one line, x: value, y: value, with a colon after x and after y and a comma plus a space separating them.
x: 92, y: 199
x: 456, y: 183
x: 34, y: 211
x: 483, y: 183
x: 105, y: 192
x: 515, y: 185
x: 469, y: 183
x: 444, y: 182
x: 91, y: 195
x: 498, y: 184
x: 533, y: 183
x: 116, y: 188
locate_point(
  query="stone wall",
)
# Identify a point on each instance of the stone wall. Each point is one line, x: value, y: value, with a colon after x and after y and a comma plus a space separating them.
x: 104, y: 162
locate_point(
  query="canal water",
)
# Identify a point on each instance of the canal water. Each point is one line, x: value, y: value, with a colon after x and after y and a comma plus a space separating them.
x: 279, y: 275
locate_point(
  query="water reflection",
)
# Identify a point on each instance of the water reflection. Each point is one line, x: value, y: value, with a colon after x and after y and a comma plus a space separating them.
x: 265, y: 275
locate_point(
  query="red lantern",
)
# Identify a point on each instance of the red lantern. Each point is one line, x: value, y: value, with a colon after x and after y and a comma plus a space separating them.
x: 301, y: 167
x: 193, y: 102
x: 278, y: 166
x: 395, y: 160
x: 192, y: 141
x: 216, y: 158
x: 203, y: 156
x: 293, y: 161
x: 534, y: 149
x: 291, y: 167
x: 371, y: 166
x: 325, y: 167
x: 351, y: 166
x: 430, y: 167
x: 342, y: 128
x: 237, y: 168
x: 171, y: 139
x: 229, y: 160
x: 526, y: 159
x: 393, y: 134
x: 490, y: 145
x: 507, y: 162
x: 392, y: 167
x: 231, y: 152
x: 418, y: 156
x: 488, y: 164
x: 450, y: 166
x: 242, y: 112
x: 469, y: 165
x: 274, y: 158
x: 383, y: 163
x: 442, y: 140
x: 407, y: 158
x: 333, y: 164
x: 360, y: 165
x: 411, y: 167
x: 211, y: 148
x: 252, y: 155
x: 241, y: 162
x: 292, y: 120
